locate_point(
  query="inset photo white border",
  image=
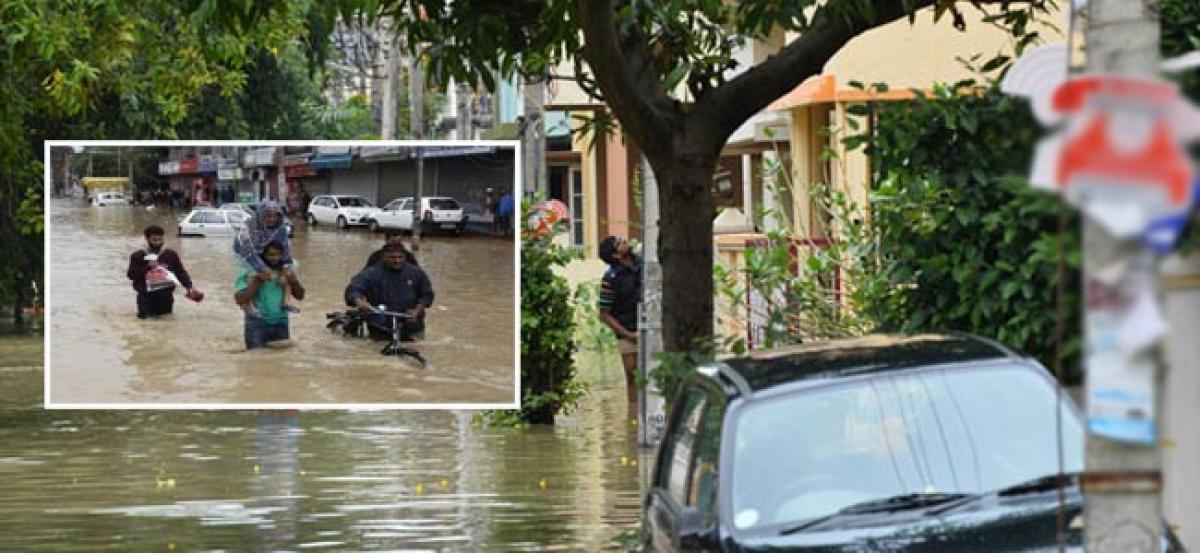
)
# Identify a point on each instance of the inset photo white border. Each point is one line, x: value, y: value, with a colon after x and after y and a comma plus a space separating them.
x: 51, y: 294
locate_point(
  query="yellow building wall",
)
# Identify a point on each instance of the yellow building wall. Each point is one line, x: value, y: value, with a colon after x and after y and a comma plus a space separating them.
x: 905, y: 55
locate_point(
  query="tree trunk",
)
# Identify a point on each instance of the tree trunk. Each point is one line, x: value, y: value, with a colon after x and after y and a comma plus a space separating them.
x: 685, y: 248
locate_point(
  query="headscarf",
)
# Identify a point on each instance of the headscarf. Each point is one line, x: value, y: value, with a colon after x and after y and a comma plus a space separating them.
x: 254, y: 235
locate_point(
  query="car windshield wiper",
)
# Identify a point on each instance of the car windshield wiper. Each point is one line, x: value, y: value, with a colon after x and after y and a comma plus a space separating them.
x: 886, y: 505
x: 1041, y: 484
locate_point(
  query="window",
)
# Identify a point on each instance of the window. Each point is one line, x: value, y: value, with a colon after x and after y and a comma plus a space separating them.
x: 702, y: 487
x: 577, y: 208
x: 393, y: 205
x: 353, y: 201
x: 679, y: 450
x: 966, y: 430
x: 443, y: 204
x: 406, y: 205
x: 210, y: 218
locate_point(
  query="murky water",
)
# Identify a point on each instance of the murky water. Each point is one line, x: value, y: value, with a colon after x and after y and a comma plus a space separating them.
x: 243, y: 481
x: 101, y: 353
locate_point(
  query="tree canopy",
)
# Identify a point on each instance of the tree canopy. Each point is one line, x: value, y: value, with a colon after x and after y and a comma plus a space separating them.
x: 668, y: 73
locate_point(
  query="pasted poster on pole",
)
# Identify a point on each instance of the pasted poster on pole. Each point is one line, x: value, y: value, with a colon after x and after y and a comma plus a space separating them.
x: 1116, y: 154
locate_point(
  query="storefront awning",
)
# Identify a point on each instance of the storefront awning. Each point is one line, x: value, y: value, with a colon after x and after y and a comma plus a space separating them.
x: 331, y: 161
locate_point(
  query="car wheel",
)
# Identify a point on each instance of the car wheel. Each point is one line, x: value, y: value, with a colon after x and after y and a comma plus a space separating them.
x: 341, y: 222
x: 458, y: 230
x: 312, y: 219
x: 373, y: 225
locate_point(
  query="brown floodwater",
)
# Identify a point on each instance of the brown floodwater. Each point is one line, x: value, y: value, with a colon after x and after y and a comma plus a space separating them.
x: 101, y: 353
x: 325, y: 481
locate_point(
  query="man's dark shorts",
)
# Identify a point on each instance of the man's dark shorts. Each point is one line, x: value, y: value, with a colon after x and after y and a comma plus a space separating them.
x: 258, y: 332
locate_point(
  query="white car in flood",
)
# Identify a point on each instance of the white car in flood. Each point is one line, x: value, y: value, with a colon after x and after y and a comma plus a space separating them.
x: 340, y: 210
x: 438, y: 212
x: 207, y: 222
x: 102, y: 199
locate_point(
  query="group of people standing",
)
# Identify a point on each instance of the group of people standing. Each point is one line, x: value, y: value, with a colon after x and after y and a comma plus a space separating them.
x: 267, y: 286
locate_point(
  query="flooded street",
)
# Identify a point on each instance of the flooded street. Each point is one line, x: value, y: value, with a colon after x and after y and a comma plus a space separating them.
x: 101, y: 353
x: 238, y: 481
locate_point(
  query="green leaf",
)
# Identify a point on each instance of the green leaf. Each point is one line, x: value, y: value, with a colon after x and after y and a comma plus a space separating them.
x: 675, y: 76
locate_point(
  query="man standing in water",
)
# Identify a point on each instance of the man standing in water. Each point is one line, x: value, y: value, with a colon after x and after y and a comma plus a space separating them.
x: 620, y: 292
x: 266, y: 320
x: 396, y: 285
x: 154, y: 286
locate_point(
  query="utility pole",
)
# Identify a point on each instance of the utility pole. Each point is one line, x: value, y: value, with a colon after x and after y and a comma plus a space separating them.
x: 651, y: 412
x: 1123, y: 482
x: 464, y: 120
x: 388, y: 125
x: 533, y: 135
x: 418, y: 210
x: 416, y: 95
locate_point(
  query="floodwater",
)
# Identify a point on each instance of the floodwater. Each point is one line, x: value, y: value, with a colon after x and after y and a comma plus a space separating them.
x: 335, y: 481
x: 101, y: 353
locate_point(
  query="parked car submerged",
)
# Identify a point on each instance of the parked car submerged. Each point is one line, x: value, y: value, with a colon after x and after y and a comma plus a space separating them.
x: 211, y: 221
x: 102, y: 199
x: 438, y: 212
x: 341, y: 210
x: 287, y: 223
x: 883, y: 443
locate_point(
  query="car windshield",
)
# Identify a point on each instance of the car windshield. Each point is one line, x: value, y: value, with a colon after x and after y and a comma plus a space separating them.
x: 939, y: 431
x: 443, y: 203
x: 352, y: 201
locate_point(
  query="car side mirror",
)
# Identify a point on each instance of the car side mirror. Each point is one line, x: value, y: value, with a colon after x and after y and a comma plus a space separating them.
x: 696, y: 533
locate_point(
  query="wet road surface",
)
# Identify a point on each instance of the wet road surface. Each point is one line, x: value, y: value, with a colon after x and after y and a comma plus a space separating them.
x: 101, y: 353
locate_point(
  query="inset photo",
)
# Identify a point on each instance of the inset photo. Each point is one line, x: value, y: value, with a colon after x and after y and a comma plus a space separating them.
x: 288, y: 275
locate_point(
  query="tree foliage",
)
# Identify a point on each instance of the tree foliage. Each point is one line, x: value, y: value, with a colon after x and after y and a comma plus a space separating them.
x: 149, y: 70
x: 667, y: 72
x: 964, y: 242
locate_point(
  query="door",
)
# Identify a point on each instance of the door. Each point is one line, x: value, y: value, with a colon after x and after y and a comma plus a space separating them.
x: 404, y: 214
x: 324, y: 210
x: 686, y: 476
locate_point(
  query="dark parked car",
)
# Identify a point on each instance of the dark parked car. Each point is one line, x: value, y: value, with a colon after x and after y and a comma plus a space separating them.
x: 882, y: 443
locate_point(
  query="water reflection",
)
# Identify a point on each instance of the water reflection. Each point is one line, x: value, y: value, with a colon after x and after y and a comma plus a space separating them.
x: 411, y: 480
x: 102, y: 354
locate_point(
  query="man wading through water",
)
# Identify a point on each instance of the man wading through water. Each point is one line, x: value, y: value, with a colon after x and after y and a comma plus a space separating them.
x: 154, y: 271
x: 620, y: 292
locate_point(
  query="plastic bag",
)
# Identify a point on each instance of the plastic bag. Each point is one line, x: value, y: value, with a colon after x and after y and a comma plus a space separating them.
x: 159, y: 278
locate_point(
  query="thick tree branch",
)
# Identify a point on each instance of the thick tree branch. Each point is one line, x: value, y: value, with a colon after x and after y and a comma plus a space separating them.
x: 748, y: 93
x: 626, y: 73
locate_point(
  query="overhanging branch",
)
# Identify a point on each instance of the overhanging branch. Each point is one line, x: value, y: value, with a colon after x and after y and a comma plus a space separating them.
x: 743, y: 96
x: 625, y: 71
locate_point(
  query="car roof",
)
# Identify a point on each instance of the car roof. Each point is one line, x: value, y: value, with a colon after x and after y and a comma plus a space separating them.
x: 856, y: 356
